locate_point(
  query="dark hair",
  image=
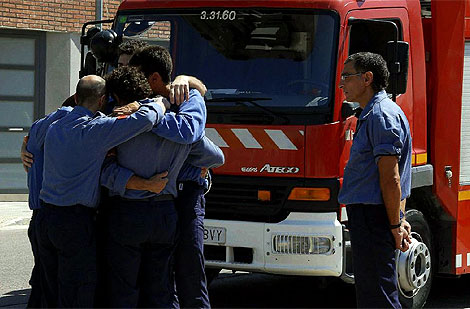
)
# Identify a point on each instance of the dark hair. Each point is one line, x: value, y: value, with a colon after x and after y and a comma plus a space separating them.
x: 375, y: 63
x: 90, y: 90
x: 153, y: 59
x: 128, y: 83
x: 70, y: 101
x: 129, y: 47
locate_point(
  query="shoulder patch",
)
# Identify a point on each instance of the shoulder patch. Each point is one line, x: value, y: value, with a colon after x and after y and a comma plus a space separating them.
x: 122, y: 116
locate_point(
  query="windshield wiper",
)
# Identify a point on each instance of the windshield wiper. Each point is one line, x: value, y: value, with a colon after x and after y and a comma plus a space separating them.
x: 253, y: 102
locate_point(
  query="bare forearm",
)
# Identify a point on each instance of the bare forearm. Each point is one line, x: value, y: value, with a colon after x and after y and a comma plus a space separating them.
x: 391, y: 194
x: 137, y: 183
x: 197, y: 84
x: 390, y: 187
x: 154, y: 184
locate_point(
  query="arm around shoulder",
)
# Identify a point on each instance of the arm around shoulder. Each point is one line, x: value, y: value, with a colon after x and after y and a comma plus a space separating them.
x: 206, y: 154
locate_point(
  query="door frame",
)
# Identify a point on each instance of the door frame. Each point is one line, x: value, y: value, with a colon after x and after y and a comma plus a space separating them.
x: 38, y: 97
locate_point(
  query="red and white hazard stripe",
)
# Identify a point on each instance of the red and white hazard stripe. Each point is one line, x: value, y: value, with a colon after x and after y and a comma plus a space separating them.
x: 256, y: 138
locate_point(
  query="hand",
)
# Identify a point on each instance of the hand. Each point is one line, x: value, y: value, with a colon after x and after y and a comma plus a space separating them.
x: 125, y: 109
x: 204, y: 172
x: 406, y: 225
x: 402, y: 238
x: 157, y: 182
x: 179, y: 90
x: 26, y: 157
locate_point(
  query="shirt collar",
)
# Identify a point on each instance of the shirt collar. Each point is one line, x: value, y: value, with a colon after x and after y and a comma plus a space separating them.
x: 146, y: 101
x: 98, y: 114
x: 379, y: 96
x: 83, y: 111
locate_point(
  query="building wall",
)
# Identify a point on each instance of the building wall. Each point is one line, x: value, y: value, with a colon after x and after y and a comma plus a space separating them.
x: 52, y: 15
x: 62, y: 67
x: 62, y: 20
x: 56, y: 25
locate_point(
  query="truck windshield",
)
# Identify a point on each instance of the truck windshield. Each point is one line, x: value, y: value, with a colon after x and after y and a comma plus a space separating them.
x: 270, y: 62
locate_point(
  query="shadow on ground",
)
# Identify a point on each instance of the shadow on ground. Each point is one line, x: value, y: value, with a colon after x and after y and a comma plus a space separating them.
x: 242, y: 290
x: 15, y: 299
x: 273, y: 291
x: 450, y: 293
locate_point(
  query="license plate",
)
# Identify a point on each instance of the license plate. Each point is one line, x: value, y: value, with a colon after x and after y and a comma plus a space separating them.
x: 214, y: 235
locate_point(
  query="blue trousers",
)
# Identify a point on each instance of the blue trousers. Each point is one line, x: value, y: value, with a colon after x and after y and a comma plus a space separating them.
x: 67, y: 255
x: 139, y: 252
x: 373, y: 249
x: 191, y: 286
x: 101, y: 241
x: 35, y: 298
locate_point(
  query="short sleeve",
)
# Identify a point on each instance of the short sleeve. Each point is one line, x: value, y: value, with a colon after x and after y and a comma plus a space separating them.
x: 385, y: 135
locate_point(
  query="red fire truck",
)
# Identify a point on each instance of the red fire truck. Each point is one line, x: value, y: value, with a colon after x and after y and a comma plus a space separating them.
x: 272, y: 69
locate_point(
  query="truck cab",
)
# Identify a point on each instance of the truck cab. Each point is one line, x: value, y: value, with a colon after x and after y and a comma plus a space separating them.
x: 272, y: 69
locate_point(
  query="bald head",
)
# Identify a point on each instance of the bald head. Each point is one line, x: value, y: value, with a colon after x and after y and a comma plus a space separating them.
x: 90, y: 90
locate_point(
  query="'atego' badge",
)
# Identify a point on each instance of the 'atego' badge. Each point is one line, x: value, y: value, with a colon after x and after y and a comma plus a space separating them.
x: 279, y: 169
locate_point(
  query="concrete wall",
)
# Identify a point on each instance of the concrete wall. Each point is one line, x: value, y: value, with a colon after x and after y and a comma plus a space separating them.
x: 62, y: 67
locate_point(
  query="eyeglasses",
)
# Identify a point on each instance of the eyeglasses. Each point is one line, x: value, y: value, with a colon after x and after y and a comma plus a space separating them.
x: 345, y: 76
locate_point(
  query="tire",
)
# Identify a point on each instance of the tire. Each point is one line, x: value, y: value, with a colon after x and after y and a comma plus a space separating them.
x: 211, y: 275
x: 419, y: 226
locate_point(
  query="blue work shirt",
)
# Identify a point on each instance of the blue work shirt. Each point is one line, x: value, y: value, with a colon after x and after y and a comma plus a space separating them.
x: 35, y: 146
x: 76, y: 146
x: 187, y: 127
x: 204, y: 153
x: 167, y: 147
x: 149, y: 154
x: 382, y: 130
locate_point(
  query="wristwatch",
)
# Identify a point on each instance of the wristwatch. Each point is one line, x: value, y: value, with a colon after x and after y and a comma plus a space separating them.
x: 395, y: 226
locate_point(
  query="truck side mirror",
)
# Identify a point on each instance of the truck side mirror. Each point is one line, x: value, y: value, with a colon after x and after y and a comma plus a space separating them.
x: 398, y: 69
x: 105, y: 46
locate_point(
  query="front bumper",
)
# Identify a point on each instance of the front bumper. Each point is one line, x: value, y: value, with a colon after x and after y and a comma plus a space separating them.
x: 306, y: 244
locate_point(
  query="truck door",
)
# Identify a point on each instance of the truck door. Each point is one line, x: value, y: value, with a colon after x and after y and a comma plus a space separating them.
x: 372, y: 37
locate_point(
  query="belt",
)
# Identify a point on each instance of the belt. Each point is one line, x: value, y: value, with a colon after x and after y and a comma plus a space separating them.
x: 156, y: 198
x: 78, y: 208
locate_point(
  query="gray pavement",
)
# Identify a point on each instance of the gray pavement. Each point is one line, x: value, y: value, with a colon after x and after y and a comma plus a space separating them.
x: 16, y: 259
x: 14, y: 215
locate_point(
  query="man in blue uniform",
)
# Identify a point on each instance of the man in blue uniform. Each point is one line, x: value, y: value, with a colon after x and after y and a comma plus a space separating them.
x: 190, y: 277
x: 33, y: 147
x: 70, y: 192
x: 377, y: 180
x: 140, y: 262
x: 35, y: 143
x: 191, y: 285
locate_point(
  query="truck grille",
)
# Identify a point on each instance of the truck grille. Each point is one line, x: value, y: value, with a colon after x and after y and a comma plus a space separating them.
x: 236, y: 198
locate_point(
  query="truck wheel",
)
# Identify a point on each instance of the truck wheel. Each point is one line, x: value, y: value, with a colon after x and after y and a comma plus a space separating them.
x: 211, y: 274
x: 414, y: 267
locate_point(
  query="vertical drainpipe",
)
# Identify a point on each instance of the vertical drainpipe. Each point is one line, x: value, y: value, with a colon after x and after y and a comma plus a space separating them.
x: 99, y: 11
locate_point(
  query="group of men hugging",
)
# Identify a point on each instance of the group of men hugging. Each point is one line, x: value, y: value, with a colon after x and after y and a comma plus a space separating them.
x: 116, y: 181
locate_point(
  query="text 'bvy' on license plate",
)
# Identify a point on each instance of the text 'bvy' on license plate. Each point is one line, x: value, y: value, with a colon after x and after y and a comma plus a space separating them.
x: 214, y: 235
